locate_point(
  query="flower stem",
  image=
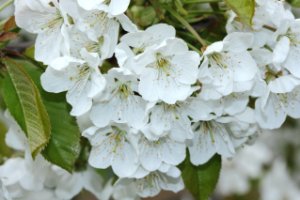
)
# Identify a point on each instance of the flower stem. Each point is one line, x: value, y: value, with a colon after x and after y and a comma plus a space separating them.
x: 186, y: 25
x: 6, y: 4
x: 201, y: 1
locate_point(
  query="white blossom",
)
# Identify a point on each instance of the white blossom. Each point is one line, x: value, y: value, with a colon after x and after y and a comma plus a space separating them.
x: 278, y: 184
x: 287, y: 48
x: 135, y: 43
x: 226, y: 65
x: 168, y: 72
x: 221, y: 135
x: 272, y: 109
x: 113, y: 7
x: 119, y: 102
x: 152, y: 154
x: 112, y: 146
x: 152, y: 184
x: 168, y: 120
x: 49, y: 21
x: 81, y: 79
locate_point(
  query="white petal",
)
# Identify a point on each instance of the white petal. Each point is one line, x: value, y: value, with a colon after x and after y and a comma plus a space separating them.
x: 89, y: 4
x: 224, y: 145
x: 126, y: 23
x: 173, y: 153
x: 150, y: 157
x: 55, y: 81
x: 216, y: 47
x: 101, y: 155
x: 117, y: 7
x: 125, y: 161
x: 272, y: 115
x: 61, y: 63
x: 186, y: 67
x: 281, y: 50
x: 244, y: 66
x: 292, y: 61
x: 202, y: 148
x: 238, y: 41
x: 284, y: 84
x: 33, y: 16
x: 97, y: 84
x: 48, y: 46
x: 293, y: 108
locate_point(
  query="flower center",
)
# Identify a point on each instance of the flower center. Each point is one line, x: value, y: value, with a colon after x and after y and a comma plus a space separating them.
x: 83, y: 73
x: 208, y: 128
x: 95, y: 47
x: 218, y: 59
x: 293, y: 38
x: 124, y: 91
x: 162, y: 64
x: 271, y: 75
x: 98, y: 19
x: 56, y: 21
x: 117, y: 136
x: 106, y: 2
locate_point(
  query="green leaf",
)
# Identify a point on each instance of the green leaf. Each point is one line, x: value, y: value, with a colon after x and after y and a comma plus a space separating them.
x: 64, y: 146
x: 24, y: 102
x: 201, y: 180
x: 5, y: 151
x: 29, y: 52
x: 295, y: 3
x: 245, y: 9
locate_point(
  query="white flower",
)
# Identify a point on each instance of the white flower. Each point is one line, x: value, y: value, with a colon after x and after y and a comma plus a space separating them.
x: 4, y: 194
x: 272, y: 109
x: 81, y: 79
x: 112, y: 146
x: 246, y: 165
x: 152, y: 184
x: 221, y: 135
x: 48, y: 20
x: 269, y: 15
x: 20, y: 174
x: 152, y: 154
x: 168, y: 71
x: 103, y: 46
x: 124, y: 192
x: 119, y: 102
x: 202, y: 110
x: 15, y: 137
x: 113, y: 7
x: 228, y: 64
x: 96, y: 24
x: 25, y: 180
x: 135, y: 43
x: 278, y: 184
x: 205, y: 110
x: 287, y: 49
x: 169, y: 120
x: 69, y: 185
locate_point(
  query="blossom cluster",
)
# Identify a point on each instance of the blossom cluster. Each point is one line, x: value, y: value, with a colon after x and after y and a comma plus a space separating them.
x: 264, y: 163
x: 22, y: 178
x: 163, y: 99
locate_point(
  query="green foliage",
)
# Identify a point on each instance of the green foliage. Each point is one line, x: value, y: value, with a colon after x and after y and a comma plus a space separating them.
x: 295, y: 3
x: 4, y: 149
x: 36, y: 111
x: 143, y: 16
x: 64, y: 146
x: 25, y: 104
x: 201, y: 180
x: 245, y: 9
